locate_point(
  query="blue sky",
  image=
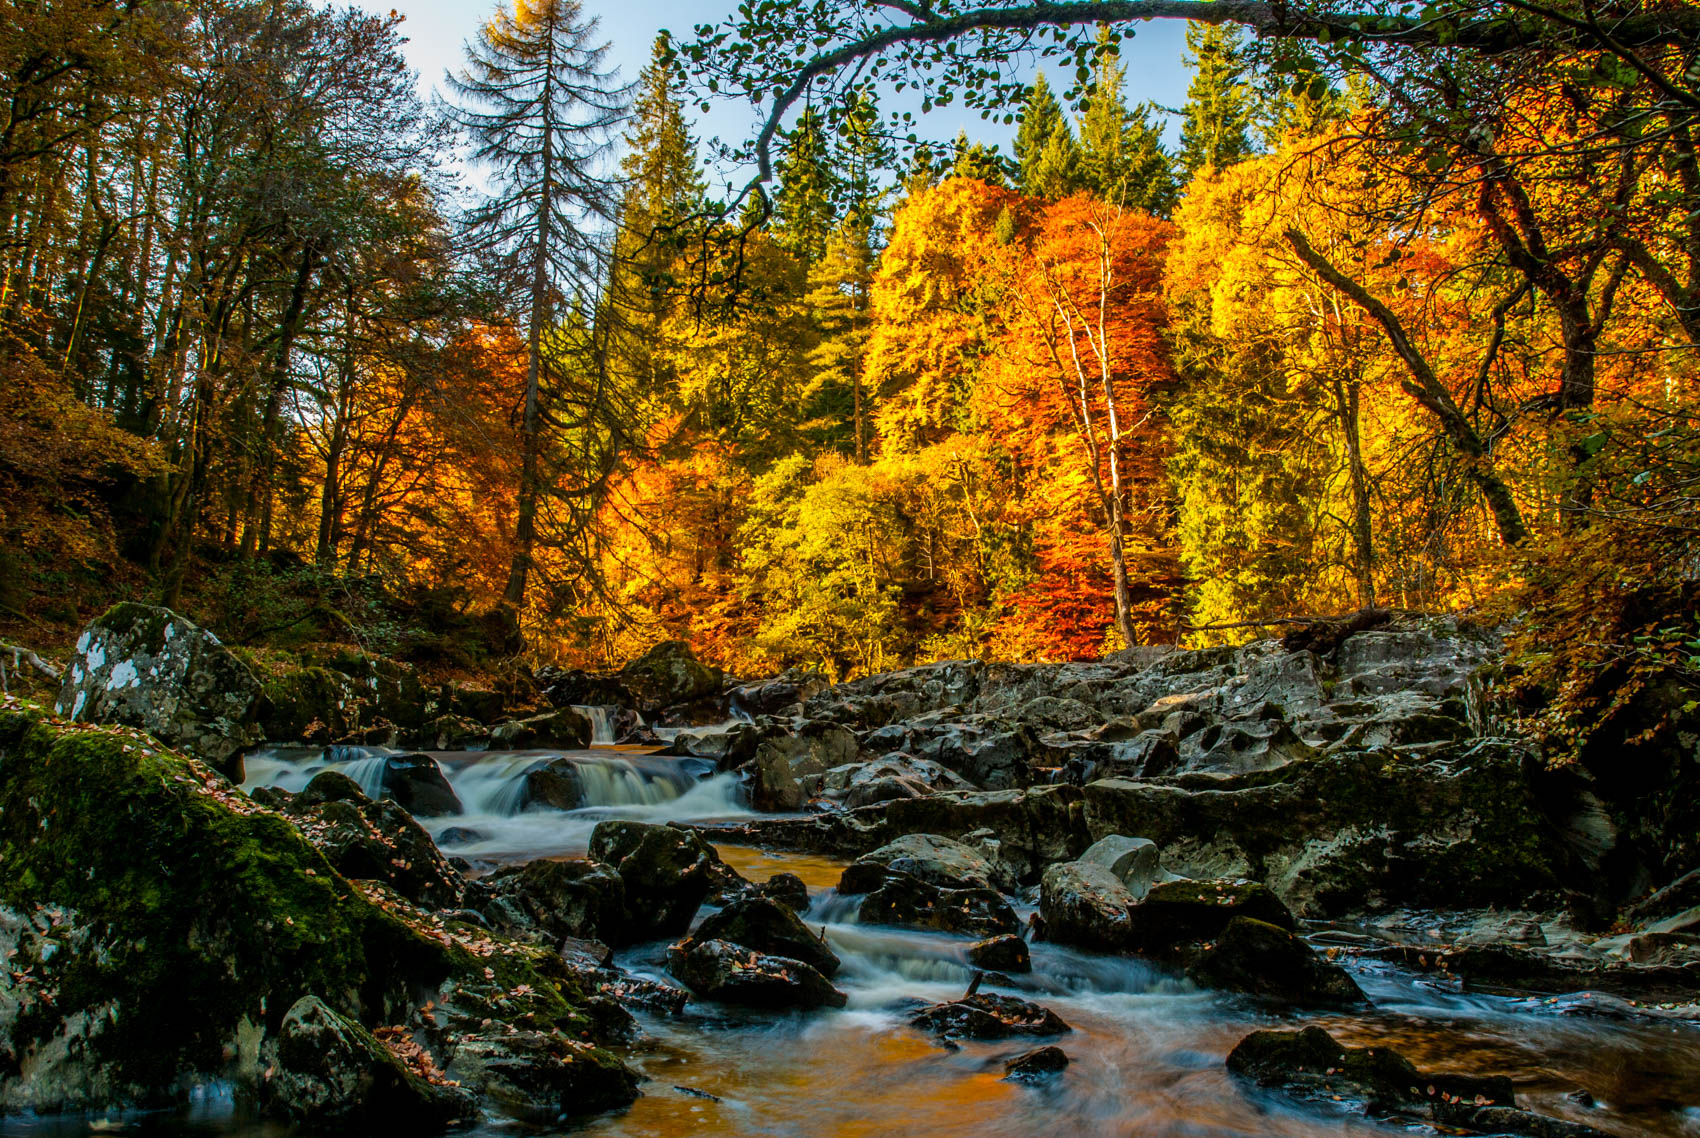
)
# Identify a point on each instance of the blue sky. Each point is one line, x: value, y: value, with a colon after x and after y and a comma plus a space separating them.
x: 436, y: 30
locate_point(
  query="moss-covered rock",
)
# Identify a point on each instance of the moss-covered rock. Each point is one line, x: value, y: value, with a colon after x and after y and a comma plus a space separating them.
x: 141, y: 666
x: 667, y: 873
x: 159, y: 925
x: 668, y: 674
x: 766, y: 926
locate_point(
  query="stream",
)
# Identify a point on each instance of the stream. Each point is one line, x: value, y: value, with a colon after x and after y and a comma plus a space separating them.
x: 1146, y: 1054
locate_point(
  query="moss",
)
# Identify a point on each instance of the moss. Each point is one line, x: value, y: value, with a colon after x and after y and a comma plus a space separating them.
x: 201, y: 910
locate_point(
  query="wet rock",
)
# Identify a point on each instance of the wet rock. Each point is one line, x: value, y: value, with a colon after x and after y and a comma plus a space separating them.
x: 785, y: 766
x: 1176, y: 912
x: 470, y: 701
x: 449, y: 733
x: 1040, y: 1063
x: 563, y: 729
x: 145, y: 667
x: 1311, y: 1064
x: 573, y: 897
x: 1006, y: 953
x: 984, y: 1016
x: 1136, y: 862
x: 329, y: 1073
x: 1086, y: 905
x: 907, y: 902
x: 875, y: 791
x: 788, y: 889
x: 926, y: 857
x: 729, y: 748
x: 768, y: 927
x: 720, y: 970
x: 667, y: 873
x: 667, y: 675
x: 782, y: 695
x: 774, y: 787
x: 542, y: 1076
x: 1242, y: 746
x: 1263, y: 960
x: 417, y: 783
x: 572, y: 687
x: 993, y: 757
x: 369, y: 840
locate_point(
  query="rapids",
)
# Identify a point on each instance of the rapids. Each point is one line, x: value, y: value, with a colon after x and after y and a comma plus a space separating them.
x: 1147, y: 1050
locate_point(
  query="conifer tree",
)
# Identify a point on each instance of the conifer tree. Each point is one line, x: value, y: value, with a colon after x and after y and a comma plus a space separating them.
x: 1056, y: 173
x: 1039, y: 118
x: 541, y: 108
x: 1122, y: 158
x: 1217, y: 129
x: 977, y: 160
x: 803, y: 203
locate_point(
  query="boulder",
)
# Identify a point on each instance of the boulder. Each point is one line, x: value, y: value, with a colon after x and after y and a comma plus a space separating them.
x: 1136, y: 862
x: 369, y: 840
x: 984, y: 1016
x: 1178, y: 912
x: 575, y: 688
x: 669, y: 674
x: 782, y: 695
x: 774, y: 786
x: 667, y: 873
x: 1263, y: 960
x: 170, y: 923
x: 419, y: 786
x: 555, y: 784
x: 908, y: 902
x: 788, y: 889
x: 768, y: 927
x: 329, y: 1073
x: 1086, y: 905
x: 720, y: 970
x: 145, y: 667
x: 1005, y: 953
x: 542, y: 1076
x: 786, y: 767
x: 1310, y: 1064
x: 563, y: 729
x: 926, y: 857
x: 572, y: 897
x: 1039, y: 1063
x: 450, y: 733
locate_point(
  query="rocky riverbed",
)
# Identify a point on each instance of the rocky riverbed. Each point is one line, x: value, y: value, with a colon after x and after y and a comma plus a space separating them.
x: 1282, y: 889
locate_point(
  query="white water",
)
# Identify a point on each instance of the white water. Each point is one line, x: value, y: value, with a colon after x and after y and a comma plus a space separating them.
x: 601, y: 724
x: 491, y: 786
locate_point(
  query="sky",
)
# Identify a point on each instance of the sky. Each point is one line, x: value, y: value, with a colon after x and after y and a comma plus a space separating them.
x: 437, y: 29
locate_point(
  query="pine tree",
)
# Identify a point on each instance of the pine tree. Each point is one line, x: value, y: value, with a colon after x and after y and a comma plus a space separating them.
x: 1039, y: 118
x: 977, y: 160
x: 840, y: 284
x: 1217, y: 129
x: 803, y: 204
x: 1122, y: 157
x: 1056, y: 173
x: 541, y: 108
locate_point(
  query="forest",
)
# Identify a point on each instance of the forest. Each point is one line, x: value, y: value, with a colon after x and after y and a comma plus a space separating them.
x: 1405, y: 318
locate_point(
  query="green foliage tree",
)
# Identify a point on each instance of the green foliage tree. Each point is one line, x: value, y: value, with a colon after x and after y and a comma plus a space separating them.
x: 1122, y: 157
x: 1216, y: 128
x: 1041, y: 116
x: 803, y: 205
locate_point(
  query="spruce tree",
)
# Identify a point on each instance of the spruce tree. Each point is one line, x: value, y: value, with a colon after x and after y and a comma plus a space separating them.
x: 1217, y: 129
x: 1122, y: 157
x: 1056, y: 174
x: 1039, y: 118
x: 541, y: 109
x: 977, y: 160
x: 803, y: 204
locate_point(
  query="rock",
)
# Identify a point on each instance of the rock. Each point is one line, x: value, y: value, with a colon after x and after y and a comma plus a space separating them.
x: 986, y: 756
x: 788, y: 889
x: 1242, y: 746
x: 329, y: 1073
x: 1136, y: 862
x: 768, y: 927
x: 984, y: 1016
x: 543, y: 1076
x: 171, y: 923
x: 729, y: 748
x: 573, y: 897
x: 875, y: 791
x: 574, y: 688
x: 720, y: 970
x: 145, y: 667
x: 906, y: 902
x: 782, y: 695
x: 563, y: 729
x: 1176, y: 912
x: 418, y: 785
x: 1006, y: 953
x: 667, y: 675
x: 1310, y: 1064
x: 1086, y: 905
x: 666, y: 872
x: 369, y: 840
x: 926, y: 857
x: 784, y: 766
x: 774, y: 787
x: 1352, y: 831
x: 1039, y: 1063
x: 450, y: 733
x: 1261, y: 959
x: 469, y: 701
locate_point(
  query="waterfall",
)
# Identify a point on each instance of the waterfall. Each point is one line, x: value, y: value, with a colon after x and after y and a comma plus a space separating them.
x: 601, y: 724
